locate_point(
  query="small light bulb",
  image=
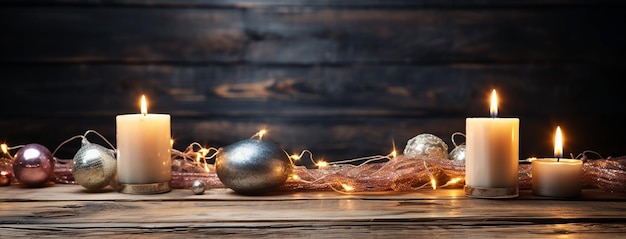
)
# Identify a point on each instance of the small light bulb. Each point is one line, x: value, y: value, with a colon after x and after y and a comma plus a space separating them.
x: 347, y: 187
x: 322, y: 164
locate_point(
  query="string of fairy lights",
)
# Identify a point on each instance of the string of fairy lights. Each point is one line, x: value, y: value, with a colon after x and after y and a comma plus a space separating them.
x: 198, y: 160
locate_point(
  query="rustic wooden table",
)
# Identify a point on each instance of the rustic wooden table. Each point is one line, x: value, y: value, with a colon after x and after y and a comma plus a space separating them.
x: 70, y: 211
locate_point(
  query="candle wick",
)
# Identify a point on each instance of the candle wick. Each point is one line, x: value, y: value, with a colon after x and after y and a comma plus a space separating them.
x: 558, y: 159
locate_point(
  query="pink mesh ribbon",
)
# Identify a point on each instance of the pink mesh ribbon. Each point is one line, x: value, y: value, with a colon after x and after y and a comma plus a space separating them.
x: 398, y: 174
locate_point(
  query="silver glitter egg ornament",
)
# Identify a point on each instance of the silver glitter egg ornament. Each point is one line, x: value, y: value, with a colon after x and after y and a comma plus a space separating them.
x: 93, y: 166
x: 253, y: 166
x: 458, y: 153
x: 33, y: 165
x: 426, y: 145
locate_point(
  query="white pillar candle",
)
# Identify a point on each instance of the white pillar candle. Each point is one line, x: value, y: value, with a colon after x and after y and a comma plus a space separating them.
x: 557, y: 177
x: 492, y: 156
x: 143, y: 152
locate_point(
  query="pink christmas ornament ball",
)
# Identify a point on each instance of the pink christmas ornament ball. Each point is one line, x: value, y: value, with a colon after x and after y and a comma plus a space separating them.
x: 33, y: 165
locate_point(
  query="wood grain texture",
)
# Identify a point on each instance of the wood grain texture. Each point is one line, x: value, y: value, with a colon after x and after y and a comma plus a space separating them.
x: 343, y: 78
x: 62, y: 210
x: 311, y: 36
x: 292, y: 91
x: 74, y: 34
x: 433, y: 36
x: 338, y: 112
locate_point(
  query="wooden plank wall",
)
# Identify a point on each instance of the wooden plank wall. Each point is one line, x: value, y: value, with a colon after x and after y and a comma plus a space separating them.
x: 341, y: 78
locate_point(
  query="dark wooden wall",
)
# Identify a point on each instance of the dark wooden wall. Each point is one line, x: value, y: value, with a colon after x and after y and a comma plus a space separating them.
x: 341, y: 78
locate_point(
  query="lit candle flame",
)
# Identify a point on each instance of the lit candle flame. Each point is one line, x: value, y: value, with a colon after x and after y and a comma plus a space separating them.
x: 144, y: 105
x: 494, y: 104
x: 558, y: 143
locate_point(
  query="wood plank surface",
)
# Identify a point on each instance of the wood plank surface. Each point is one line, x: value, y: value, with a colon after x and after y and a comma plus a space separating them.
x: 264, y: 91
x: 133, y: 34
x: 279, y: 35
x: 343, y: 78
x: 337, y: 112
x: 62, y: 210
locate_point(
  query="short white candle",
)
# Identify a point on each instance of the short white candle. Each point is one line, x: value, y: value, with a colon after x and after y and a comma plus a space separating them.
x: 557, y: 177
x: 491, y: 157
x: 144, y: 152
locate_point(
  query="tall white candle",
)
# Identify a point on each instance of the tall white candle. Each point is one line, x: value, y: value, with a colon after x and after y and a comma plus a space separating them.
x: 492, y: 155
x: 143, y: 152
x: 557, y: 177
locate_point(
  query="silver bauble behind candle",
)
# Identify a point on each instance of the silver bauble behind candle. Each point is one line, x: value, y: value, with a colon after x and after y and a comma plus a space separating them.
x: 426, y: 146
x: 458, y: 153
x: 253, y: 166
x: 33, y: 165
x: 94, y: 166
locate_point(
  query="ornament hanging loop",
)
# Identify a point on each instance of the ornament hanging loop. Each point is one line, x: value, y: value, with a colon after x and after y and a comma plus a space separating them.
x: 453, y: 137
x: 583, y: 155
x: 83, y: 141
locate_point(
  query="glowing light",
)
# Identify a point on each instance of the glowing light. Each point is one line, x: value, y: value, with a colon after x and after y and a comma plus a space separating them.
x: 295, y: 178
x: 433, y: 183
x: 347, y: 187
x: 454, y: 180
x: 144, y: 105
x: 321, y: 164
x: 261, y: 133
x: 558, y: 143
x: 5, y: 148
x: 199, y: 157
x: 393, y: 153
x: 295, y: 157
x: 494, y: 104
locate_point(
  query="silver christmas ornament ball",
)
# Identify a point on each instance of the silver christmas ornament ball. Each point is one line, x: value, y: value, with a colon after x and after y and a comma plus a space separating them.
x: 253, y: 166
x: 33, y: 165
x: 458, y: 153
x: 198, y: 187
x: 426, y: 145
x: 94, y: 166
